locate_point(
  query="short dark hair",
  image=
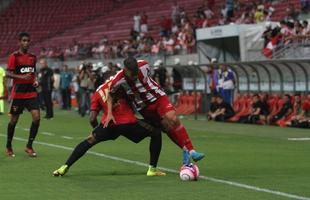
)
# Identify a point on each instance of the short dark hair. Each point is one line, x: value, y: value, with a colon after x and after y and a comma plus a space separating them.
x: 131, y: 64
x: 23, y: 34
x: 256, y: 95
x: 288, y: 96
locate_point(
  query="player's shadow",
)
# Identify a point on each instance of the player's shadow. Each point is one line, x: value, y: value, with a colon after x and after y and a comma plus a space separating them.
x: 108, y: 173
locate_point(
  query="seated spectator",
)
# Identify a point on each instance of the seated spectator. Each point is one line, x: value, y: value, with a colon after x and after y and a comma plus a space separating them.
x: 265, y: 108
x: 257, y: 113
x: 297, y: 108
x: 283, y: 113
x: 144, y: 27
x: 224, y: 110
x: 301, y: 119
x: 212, y: 107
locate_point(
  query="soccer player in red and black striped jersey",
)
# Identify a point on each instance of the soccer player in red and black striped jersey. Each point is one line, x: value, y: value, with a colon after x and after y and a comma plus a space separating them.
x: 21, y: 68
x: 125, y: 123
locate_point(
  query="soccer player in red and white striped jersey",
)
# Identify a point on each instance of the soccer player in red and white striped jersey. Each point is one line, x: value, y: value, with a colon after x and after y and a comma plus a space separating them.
x: 152, y: 102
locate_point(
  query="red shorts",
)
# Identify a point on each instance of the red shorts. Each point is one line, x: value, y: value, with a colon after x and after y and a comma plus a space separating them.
x: 157, y: 109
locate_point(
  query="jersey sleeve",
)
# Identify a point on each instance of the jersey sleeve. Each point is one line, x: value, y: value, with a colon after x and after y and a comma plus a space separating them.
x: 95, y: 102
x: 145, y: 71
x: 11, y: 63
x: 116, y: 82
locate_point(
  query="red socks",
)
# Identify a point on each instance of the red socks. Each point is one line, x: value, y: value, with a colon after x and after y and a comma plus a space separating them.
x: 180, y: 137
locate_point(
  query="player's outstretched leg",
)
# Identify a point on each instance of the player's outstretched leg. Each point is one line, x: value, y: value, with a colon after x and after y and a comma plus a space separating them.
x: 77, y: 153
x: 178, y: 133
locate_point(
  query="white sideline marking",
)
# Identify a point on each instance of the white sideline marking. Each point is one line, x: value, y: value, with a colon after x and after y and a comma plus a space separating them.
x: 26, y: 129
x: 298, y: 139
x: 47, y: 133
x: 225, y: 182
x: 67, y: 137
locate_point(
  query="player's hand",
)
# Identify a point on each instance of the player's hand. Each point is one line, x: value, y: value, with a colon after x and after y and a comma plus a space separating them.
x: 35, y: 84
x: 109, y: 118
x: 26, y: 76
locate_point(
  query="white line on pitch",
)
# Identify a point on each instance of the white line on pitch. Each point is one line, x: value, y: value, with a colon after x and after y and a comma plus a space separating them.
x: 225, y: 182
x: 67, y: 137
x: 298, y: 139
x: 47, y: 133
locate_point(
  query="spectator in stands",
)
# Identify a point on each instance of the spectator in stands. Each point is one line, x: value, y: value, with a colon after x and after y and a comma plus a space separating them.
x: 224, y: 110
x: 43, y: 53
x: 165, y: 26
x: 168, y: 43
x: 65, y: 82
x: 259, y: 14
x: 306, y: 28
x: 283, y: 113
x: 209, y: 14
x: 212, y: 108
x: 144, y: 27
x: 136, y: 22
x: 304, y: 5
x: 175, y: 13
x: 209, y: 3
x: 267, y: 34
x: 292, y: 13
x: 229, y: 9
x: 200, y: 12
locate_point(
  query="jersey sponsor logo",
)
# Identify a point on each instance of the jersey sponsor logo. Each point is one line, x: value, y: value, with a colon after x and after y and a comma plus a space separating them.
x: 27, y: 70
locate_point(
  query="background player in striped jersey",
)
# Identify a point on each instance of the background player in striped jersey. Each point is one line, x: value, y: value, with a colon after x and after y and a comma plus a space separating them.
x: 125, y: 123
x: 21, y: 68
x: 152, y: 102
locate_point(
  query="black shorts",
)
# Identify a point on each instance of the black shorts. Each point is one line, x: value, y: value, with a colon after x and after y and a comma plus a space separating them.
x: 134, y: 132
x: 18, y: 105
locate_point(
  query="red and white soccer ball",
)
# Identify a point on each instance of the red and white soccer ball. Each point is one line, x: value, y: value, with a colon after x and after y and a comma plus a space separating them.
x: 189, y: 172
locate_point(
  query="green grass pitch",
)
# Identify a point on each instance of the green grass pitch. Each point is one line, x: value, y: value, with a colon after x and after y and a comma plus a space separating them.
x: 257, y: 156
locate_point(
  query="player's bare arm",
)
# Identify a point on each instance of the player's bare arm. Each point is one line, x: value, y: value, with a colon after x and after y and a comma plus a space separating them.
x: 10, y: 74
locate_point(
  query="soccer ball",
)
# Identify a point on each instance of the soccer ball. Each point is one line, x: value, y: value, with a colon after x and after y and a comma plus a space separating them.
x: 189, y: 172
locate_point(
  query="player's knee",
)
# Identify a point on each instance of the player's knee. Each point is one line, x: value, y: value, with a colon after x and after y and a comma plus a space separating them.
x: 13, y: 120
x: 36, y: 121
x: 174, y: 121
x: 91, y: 139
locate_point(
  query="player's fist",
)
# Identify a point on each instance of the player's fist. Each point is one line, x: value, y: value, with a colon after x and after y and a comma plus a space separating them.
x: 109, y: 118
x: 36, y: 84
